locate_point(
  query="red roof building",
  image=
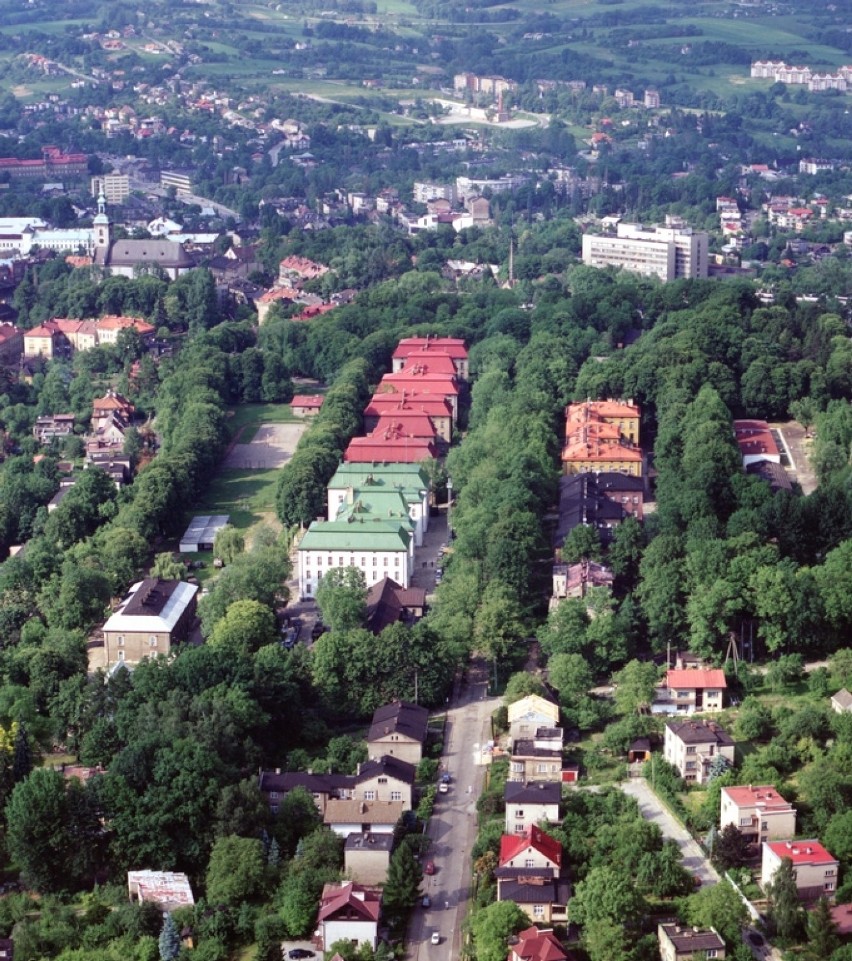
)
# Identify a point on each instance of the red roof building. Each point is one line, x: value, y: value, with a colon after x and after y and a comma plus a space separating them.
x: 534, y: 844
x: 755, y: 441
x: 435, y: 407
x: 412, y: 423
x: 696, y: 690
x: 420, y: 379
x: 816, y: 870
x: 390, y: 446
x: 306, y: 405
x: 348, y: 911
x: 536, y: 945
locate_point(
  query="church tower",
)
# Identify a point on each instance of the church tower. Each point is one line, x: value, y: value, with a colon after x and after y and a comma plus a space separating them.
x: 102, y: 226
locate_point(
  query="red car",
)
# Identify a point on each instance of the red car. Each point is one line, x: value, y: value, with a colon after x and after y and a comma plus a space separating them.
x: 429, y: 867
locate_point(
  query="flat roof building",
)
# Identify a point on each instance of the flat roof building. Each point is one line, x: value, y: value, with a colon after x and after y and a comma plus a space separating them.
x: 669, y: 252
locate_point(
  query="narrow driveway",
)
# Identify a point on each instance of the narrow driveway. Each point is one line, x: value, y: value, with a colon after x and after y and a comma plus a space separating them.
x: 652, y: 809
x: 452, y: 827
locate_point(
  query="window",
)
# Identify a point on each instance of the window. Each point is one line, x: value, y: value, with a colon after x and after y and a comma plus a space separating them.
x: 829, y: 885
x: 396, y: 795
x: 538, y: 910
x: 383, y: 780
x: 120, y: 640
x: 273, y: 795
x: 375, y: 561
x: 745, y: 822
x: 683, y: 693
x: 152, y: 641
x: 331, y: 561
x: 369, y: 795
x: 711, y: 953
x: 519, y: 814
x: 385, y: 561
x: 764, y: 826
x: 690, y: 750
x: 319, y: 576
x: 529, y: 863
x: 121, y: 655
x: 319, y: 561
x: 829, y: 873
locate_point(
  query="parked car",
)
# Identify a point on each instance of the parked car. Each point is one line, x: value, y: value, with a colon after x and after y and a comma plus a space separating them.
x: 443, y: 787
x: 436, y: 938
x: 429, y: 867
x: 427, y: 901
x: 298, y: 953
x: 445, y: 778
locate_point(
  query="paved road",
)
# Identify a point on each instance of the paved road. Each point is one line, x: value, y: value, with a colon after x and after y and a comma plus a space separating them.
x: 652, y: 810
x: 452, y: 827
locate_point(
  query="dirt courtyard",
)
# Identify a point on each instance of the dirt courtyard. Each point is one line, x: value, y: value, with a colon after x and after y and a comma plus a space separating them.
x: 271, y: 446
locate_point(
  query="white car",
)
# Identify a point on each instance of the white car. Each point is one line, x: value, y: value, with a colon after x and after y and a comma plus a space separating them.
x: 436, y: 938
x: 443, y: 787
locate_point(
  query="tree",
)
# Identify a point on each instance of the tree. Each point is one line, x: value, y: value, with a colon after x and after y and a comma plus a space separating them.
x: 493, y: 926
x: 583, y: 542
x: 720, y: 907
x: 823, y: 939
x: 606, y: 894
x: 606, y: 940
x: 169, y: 943
x: 731, y: 849
x: 229, y: 542
x: 51, y: 831
x: 635, y: 684
x: 342, y: 598
x: 236, y: 872
x: 246, y: 627
x: 520, y: 685
x: 570, y: 675
x: 785, y: 911
x: 402, y: 887
x: 167, y: 567
x: 297, y: 818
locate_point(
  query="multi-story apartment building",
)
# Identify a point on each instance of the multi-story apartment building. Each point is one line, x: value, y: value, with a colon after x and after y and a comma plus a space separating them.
x: 669, y: 252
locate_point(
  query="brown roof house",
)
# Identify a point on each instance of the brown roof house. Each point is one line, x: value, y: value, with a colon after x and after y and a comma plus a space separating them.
x: 693, y: 746
x: 153, y: 616
x: 399, y: 729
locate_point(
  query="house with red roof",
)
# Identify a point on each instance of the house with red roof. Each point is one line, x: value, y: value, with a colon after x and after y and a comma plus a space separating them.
x: 691, y: 691
x: 348, y: 912
x: 537, y: 944
x: 306, y: 405
x: 756, y: 442
x: 391, y: 446
x: 758, y: 812
x: 453, y: 347
x: 530, y: 873
x: 816, y: 870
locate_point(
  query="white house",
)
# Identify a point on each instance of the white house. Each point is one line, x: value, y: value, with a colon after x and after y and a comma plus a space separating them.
x: 529, y: 803
x: 529, y: 714
x: 816, y: 870
x: 348, y: 912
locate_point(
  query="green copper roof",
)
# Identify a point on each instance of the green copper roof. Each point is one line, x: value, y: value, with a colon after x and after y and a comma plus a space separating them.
x: 379, y: 504
x: 357, y: 533
x: 364, y: 476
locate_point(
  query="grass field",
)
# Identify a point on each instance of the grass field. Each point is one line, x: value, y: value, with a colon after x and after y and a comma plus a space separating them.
x: 249, y: 417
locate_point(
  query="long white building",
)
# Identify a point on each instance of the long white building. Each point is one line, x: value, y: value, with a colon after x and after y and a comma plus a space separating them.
x: 669, y: 252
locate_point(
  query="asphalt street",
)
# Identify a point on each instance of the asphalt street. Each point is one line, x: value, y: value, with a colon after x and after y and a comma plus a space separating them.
x: 652, y: 809
x: 452, y: 827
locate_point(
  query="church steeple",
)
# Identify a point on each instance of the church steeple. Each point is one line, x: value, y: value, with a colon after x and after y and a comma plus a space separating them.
x: 102, y: 225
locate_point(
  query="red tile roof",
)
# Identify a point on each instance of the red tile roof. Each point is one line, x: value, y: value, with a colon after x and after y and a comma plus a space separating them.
x: 354, y: 898
x: 600, y: 451
x: 696, y: 678
x: 389, y: 446
x: 418, y: 379
x: 453, y: 346
x: 512, y: 845
x: 764, y: 796
x: 431, y: 404
x: 432, y: 361
x: 412, y: 423
x: 535, y: 945
x: 801, y: 852
x: 314, y: 401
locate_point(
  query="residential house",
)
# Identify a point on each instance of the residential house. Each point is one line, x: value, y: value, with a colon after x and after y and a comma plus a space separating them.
x: 169, y: 890
x: 366, y: 857
x: 112, y: 403
x: 111, y: 325
x: 692, y: 746
x: 389, y: 603
x: 151, y: 619
x: 537, y: 944
x: 841, y: 702
x: 398, y: 729
x: 346, y: 816
x: 680, y: 943
x: 276, y: 785
x: 691, y: 691
x: 348, y: 912
x: 576, y: 580
x: 383, y: 779
x: 528, y: 803
x: 306, y: 405
x: 816, y: 870
x: 758, y: 813
x: 530, y: 873
x: 538, y: 758
x: 530, y: 713
x: 52, y: 426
